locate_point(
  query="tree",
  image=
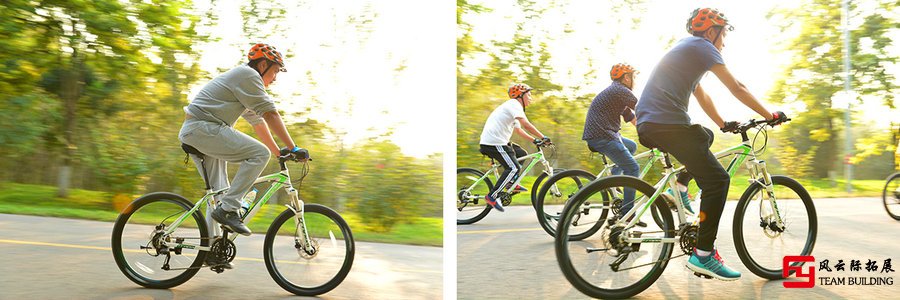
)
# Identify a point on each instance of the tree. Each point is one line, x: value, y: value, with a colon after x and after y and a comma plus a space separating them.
x: 98, y: 57
x: 815, y: 75
x: 526, y: 57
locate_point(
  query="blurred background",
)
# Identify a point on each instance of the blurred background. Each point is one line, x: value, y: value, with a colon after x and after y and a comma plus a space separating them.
x: 92, y: 92
x: 788, y: 53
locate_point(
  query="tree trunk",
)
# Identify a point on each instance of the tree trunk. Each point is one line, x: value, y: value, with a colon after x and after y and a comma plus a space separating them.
x: 69, y: 97
x: 70, y: 92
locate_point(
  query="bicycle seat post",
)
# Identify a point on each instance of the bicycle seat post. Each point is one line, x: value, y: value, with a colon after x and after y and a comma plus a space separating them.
x: 668, y: 162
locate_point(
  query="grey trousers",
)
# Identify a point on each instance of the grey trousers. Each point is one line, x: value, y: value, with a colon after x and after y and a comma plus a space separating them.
x: 222, y: 145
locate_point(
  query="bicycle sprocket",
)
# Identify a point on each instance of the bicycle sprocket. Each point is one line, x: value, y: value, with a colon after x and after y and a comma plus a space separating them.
x: 223, y: 251
x: 505, y: 198
x: 688, y: 240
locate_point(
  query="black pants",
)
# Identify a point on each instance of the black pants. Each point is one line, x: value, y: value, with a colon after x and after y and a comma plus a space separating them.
x: 506, y: 155
x: 689, y: 144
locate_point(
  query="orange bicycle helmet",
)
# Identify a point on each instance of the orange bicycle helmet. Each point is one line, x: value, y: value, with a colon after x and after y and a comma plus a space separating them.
x: 261, y: 50
x: 517, y: 90
x: 704, y: 18
x: 619, y: 70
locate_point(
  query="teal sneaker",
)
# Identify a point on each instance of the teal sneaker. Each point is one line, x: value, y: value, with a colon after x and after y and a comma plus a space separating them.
x: 711, y: 266
x: 685, y: 200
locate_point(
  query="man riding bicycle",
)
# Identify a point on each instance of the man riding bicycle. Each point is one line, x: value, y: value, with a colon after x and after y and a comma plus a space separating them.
x: 663, y: 122
x: 602, y: 125
x: 208, y: 127
x: 507, y: 118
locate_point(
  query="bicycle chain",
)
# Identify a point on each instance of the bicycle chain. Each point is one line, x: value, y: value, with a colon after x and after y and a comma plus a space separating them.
x: 651, y: 263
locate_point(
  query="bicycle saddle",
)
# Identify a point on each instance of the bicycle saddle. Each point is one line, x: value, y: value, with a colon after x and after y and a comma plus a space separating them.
x: 191, y: 150
x: 649, y: 144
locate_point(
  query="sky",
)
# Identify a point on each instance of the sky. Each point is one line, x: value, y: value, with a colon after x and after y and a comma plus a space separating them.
x: 389, y: 72
x: 750, y: 52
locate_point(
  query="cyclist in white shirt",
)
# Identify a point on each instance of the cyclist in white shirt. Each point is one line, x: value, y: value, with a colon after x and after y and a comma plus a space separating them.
x: 507, y: 118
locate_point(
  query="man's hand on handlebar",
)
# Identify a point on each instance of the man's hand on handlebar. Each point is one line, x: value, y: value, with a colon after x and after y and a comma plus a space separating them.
x: 730, y: 126
x: 296, y: 154
x: 778, y: 117
x: 545, y: 141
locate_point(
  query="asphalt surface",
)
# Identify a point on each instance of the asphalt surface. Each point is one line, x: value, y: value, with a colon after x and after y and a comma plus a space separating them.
x: 52, y: 258
x: 508, y: 256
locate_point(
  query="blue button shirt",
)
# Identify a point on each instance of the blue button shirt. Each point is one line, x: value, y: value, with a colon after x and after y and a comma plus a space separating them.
x: 602, y: 119
x: 665, y: 97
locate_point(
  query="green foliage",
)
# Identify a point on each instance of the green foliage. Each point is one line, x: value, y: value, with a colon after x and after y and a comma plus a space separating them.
x: 815, y: 75
x: 39, y: 200
x: 558, y: 111
x: 99, y: 86
x: 389, y: 188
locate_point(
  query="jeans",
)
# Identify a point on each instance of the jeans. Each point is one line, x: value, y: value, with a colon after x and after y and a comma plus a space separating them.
x: 621, y: 152
x: 689, y: 144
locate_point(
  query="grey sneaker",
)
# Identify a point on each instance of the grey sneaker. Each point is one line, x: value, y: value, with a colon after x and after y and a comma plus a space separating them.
x: 230, y: 220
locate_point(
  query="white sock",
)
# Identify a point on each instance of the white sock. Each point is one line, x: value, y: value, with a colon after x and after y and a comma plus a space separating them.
x: 702, y: 252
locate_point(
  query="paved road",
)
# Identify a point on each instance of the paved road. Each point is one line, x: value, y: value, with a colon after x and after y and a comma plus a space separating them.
x: 51, y: 258
x: 508, y: 256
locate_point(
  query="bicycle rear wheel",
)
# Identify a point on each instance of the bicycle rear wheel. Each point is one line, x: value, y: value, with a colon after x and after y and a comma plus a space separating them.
x: 301, y: 272
x: 139, y: 244
x: 891, y: 196
x: 605, y: 265
x: 471, y: 206
x: 760, y: 241
x: 554, y: 195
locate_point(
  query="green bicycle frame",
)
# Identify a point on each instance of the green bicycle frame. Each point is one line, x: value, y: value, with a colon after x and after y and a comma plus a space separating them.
x: 653, y: 155
x: 535, y: 158
x: 756, y: 168
x: 279, y: 180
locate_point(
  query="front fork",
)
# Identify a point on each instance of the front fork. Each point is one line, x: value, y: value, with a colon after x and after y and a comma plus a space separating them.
x: 549, y: 170
x: 771, y: 216
x: 302, y: 235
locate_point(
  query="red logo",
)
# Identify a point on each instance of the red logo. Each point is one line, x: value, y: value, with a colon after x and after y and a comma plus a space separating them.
x: 787, y: 268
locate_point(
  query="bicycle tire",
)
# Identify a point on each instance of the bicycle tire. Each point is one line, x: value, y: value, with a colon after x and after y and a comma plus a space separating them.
x: 562, y: 238
x: 119, y: 253
x: 541, y: 211
x: 536, y: 186
x: 738, y: 234
x: 487, y: 208
x: 339, y: 277
x: 884, y: 195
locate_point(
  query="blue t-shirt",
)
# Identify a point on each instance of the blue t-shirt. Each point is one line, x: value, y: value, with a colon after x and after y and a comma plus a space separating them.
x: 665, y: 97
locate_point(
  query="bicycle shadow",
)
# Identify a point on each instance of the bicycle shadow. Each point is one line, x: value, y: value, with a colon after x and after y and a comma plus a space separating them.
x: 140, y: 292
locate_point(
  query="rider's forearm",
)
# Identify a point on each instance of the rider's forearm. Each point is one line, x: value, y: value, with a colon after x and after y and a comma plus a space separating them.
x: 708, y: 107
x: 277, y: 126
x: 523, y: 134
x: 744, y: 95
x: 530, y: 128
x: 711, y: 111
x: 266, y: 137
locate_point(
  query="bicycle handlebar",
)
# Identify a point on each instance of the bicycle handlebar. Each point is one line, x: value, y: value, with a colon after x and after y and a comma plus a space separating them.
x: 742, y: 128
x: 543, y: 144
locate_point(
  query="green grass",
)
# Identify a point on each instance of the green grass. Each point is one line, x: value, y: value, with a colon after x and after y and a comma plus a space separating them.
x: 817, y: 188
x: 39, y: 200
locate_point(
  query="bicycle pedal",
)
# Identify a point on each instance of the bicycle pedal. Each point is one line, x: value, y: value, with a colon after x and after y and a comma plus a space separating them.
x: 702, y: 275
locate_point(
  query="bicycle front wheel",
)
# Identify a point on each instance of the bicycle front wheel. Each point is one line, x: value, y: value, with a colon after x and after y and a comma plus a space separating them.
x: 608, y: 265
x: 471, y: 206
x: 891, y: 196
x: 141, y: 248
x: 554, y: 195
x: 761, y: 240
x: 309, y: 273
